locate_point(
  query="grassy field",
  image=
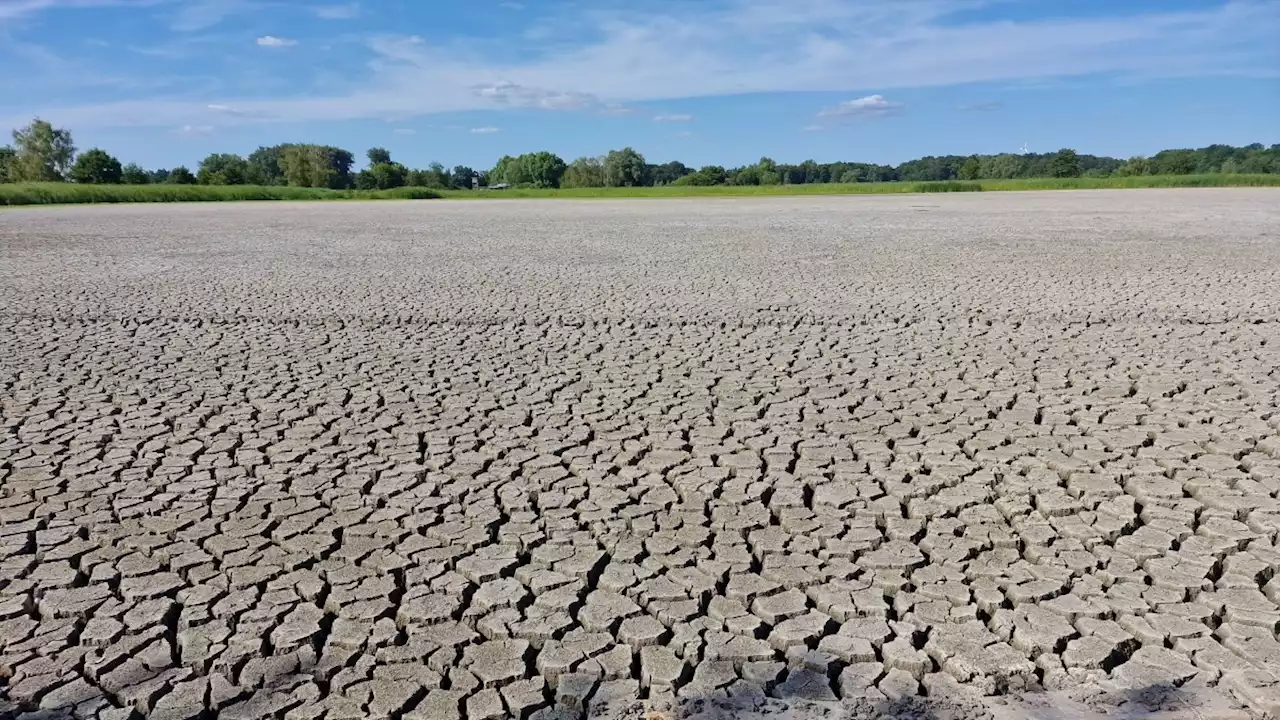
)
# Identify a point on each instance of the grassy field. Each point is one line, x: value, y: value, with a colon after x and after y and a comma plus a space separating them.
x: 66, y: 193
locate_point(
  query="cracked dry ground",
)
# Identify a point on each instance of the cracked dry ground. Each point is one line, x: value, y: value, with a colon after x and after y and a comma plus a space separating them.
x: 930, y: 456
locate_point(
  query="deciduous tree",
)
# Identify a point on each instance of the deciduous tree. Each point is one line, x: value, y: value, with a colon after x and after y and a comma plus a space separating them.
x: 42, y: 152
x: 96, y: 167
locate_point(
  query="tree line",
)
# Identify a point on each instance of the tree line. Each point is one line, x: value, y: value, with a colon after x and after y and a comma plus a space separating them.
x: 43, y: 153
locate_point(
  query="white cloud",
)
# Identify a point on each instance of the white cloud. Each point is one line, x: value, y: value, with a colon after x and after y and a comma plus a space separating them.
x: 737, y: 46
x: 195, y: 130
x: 684, y: 134
x: 338, y: 12
x: 192, y: 15
x: 673, y: 118
x: 275, y: 42
x: 813, y: 128
x: 871, y: 106
x: 483, y: 130
x: 405, y: 131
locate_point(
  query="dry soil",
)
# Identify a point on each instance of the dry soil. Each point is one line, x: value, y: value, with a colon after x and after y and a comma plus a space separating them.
x: 1010, y: 455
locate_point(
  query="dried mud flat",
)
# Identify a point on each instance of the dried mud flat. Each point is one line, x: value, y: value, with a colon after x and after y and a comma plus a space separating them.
x: 967, y: 456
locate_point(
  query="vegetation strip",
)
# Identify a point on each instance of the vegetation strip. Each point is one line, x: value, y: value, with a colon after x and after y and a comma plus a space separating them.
x: 65, y: 193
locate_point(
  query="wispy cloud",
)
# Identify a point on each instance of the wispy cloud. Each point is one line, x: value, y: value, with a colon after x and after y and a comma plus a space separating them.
x: 483, y: 130
x: 871, y: 106
x: 609, y: 59
x: 673, y: 118
x: 192, y: 15
x: 337, y: 12
x: 988, y: 106
x: 405, y: 131
x: 195, y: 130
x: 275, y: 42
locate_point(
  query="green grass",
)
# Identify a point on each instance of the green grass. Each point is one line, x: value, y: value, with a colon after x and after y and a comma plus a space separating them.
x: 1149, y: 181
x: 67, y: 193
x: 60, y: 193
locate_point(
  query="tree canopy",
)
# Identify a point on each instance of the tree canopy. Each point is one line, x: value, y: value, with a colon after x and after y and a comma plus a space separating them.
x: 42, y: 152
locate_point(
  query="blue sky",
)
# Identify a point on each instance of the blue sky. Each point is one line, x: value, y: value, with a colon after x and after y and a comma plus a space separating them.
x: 165, y: 82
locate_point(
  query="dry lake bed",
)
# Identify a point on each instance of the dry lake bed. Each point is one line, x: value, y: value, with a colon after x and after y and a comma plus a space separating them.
x: 931, y: 456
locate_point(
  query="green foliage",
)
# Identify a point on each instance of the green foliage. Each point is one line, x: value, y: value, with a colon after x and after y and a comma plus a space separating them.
x: 378, y: 156
x: 265, y: 167
x: 624, y: 168
x: 133, y: 174
x: 461, y: 177
x: 667, y: 173
x: 60, y: 193
x: 7, y: 155
x: 1065, y: 164
x: 42, y: 153
x: 1174, y: 162
x: 316, y: 166
x: 540, y: 170
x: 223, y: 169
x: 971, y: 169
x: 180, y: 176
x: 705, y: 176
x: 584, y: 172
x: 96, y: 167
x: 386, y: 176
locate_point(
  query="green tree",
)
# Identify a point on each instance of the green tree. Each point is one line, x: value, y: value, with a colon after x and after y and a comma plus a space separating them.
x: 387, y: 175
x: 96, y: 167
x: 42, y: 153
x: 542, y: 169
x: 264, y: 165
x: 6, y: 162
x: 971, y: 169
x: 584, y: 172
x: 1174, y: 162
x: 223, y: 169
x: 158, y: 176
x: 378, y: 156
x: 624, y: 168
x: 705, y: 176
x: 1136, y: 165
x: 461, y: 177
x: 133, y: 174
x: 1065, y: 164
x: 667, y: 173
x: 319, y: 166
x: 180, y: 176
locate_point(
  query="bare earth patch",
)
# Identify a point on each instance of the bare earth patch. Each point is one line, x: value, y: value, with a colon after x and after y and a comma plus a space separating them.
x: 935, y: 457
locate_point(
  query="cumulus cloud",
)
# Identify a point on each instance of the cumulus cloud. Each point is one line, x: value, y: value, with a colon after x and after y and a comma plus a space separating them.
x: 871, y: 106
x: 673, y: 118
x: 275, y: 42
x: 483, y: 130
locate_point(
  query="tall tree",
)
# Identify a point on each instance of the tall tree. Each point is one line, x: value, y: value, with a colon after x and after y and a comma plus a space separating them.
x: 461, y: 177
x: 624, y: 168
x: 223, y: 169
x: 542, y: 169
x: 264, y: 165
x: 133, y: 174
x: 6, y: 162
x: 378, y: 156
x: 42, y: 152
x: 96, y: 167
x: 320, y: 166
x: 180, y: 176
x: 584, y: 172
x: 971, y: 169
x: 1065, y: 164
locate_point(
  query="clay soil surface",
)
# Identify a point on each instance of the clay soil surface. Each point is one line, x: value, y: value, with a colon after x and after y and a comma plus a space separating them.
x: 967, y: 456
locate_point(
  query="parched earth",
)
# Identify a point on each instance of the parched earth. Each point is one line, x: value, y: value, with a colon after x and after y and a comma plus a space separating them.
x: 969, y: 456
